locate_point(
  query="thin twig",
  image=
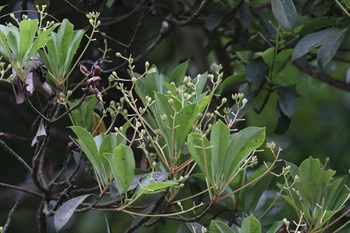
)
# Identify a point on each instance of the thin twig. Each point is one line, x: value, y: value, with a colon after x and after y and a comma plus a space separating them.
x: 77, y: 105
x: 193, y: 15
x: 42, y: 226
x: 145, y: 219
x: 14, y: 154
x: 323, y: 77
x: 10, y: 215
x: 21, y: 189
x: 36, y: 173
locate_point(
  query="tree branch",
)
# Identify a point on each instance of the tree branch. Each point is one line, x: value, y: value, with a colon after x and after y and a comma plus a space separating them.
x: 14, y: 154
x: 318, y: 74
x: 10, y: 215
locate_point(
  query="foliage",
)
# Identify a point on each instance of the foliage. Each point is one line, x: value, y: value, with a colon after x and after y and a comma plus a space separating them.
x: 175, y: 147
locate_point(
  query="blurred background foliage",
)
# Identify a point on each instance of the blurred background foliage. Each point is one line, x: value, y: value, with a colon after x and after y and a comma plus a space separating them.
x: 166, y: 33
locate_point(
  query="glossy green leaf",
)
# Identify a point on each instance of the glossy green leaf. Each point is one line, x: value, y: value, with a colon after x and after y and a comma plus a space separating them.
x: 283, y: 122
x: 184, y: 122
x: 2, y: 7
x: 83, y: 116
x: 316, y: 24
x: 217, y: 226
x: 200, y: 150
x: 232, y: 82
x: 310, y: 180
x: 42, y: 39
x: 251, y: 224
x: 330, y: 47
x: 52, y: 62
x: 275, y: 227
x: 283, y: 58
x: 87, y: 143
x: 204, y: 102
x: 73, y: 47
x: 242, y: 144
x: 122, y: 164
x: 27, y: 31
x: 64, y: 37
x: 311, y: 41
x: 285, y: 12
x: 287, y: 100
x: 268, y: 56
x: 4, y: 46
x: 256, y: 71
x: 200, y: 82
x: 147, y: 86
x: 65, y: 212
x: 333, y: 192
x: 219, y: 140
x: 159, y: 186
x: 13, y: 42
x: 178, y: 74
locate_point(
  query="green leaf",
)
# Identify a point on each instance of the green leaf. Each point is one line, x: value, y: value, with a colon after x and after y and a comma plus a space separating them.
x: 65, y: 212
x: 251, y: 224
x: 316, y: 24
x: 55, y: 63
x: 242, y: 144
x: 282, y: 59
x: 204, y: 102
x: 2, y: 7
x: 219, y: 140
x: 200, y: 150
x: 256, y: 70
x: 178, y: 74
x: 330, y: 47
x: 268, y: 56
x: 122, y: 164
x: 73, y: 47
x: 287, y: 100
x: 333, y: 192
x: 232, y: 82
x: 159, y: 186
x: 41, y: 40
x: 217, y: 226
x: 275, y: 227
x: 87, y: 143
x: 311, y: 41
x: 27, y: 30
x: 13, y: 42
x: 83, y: 116
x: 200, y: 82
x: 5, y: 50
x: 285, y: 13
x: 184, y: 122
x: 64, y: 37
x: 283, y: 122
x: 310, y: 180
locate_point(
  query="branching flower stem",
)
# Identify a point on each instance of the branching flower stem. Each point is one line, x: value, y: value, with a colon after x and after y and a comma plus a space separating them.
x: 268, y: 170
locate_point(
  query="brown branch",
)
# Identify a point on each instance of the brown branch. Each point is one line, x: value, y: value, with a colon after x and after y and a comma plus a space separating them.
x: 14, y: 154
x: 193, y: 15
x: 145, y: 219
x: 10, y: 215
x: 21, y: 189
x: 320, y: 75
